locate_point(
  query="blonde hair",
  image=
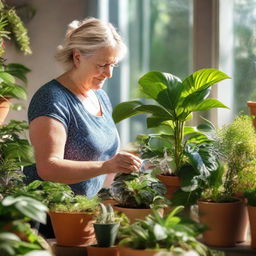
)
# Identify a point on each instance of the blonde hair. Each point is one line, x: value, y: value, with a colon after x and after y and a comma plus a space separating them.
x: 88, y: 36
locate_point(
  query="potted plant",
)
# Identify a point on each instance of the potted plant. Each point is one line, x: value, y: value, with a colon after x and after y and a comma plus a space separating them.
x: 16, y: 235
x: 156, y: 233
x: 15, y: 152
x: 137, y: 193
x: 76, y: 211
x: 106, y: 228
x: 250, y: 194
x: 252, y: 107
x: 11, y: 27
x: 238, y: 150
x: 176, y: 101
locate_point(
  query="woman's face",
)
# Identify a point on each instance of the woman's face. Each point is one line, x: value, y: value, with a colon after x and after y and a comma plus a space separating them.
x: 94, y: 70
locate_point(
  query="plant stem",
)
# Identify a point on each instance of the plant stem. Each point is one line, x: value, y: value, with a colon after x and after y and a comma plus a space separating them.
x: 178, y: 146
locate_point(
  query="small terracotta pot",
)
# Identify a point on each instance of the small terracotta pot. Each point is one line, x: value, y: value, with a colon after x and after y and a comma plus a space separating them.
x: 73, y: 229
x: 252, y: 218
x: 252, y: 107
x: 4, y: 109
x: 125, y: 251
x: 223, y: 221
x: 102, y: 251
x: 133, y: 213
x: 172, y: 184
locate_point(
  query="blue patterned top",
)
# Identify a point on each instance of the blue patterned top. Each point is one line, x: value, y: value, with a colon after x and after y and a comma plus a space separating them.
x: 89, y: 137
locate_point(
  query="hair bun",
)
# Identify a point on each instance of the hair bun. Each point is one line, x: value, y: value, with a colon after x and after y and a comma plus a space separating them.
x: 72, y: 26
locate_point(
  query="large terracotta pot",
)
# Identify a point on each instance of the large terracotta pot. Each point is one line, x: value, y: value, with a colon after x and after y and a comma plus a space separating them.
x: 223, y: 221
x: 252, y: 218
x: 124, y: 251
x: 172, y: 183
x: 243, y: 226
x: 252, y: 107
x: 73, y: 229
x: 4, y: 109
x: 133, y: 214
x: 102, y: 251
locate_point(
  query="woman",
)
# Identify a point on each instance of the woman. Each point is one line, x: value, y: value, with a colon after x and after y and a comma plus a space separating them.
x: 70, y: 124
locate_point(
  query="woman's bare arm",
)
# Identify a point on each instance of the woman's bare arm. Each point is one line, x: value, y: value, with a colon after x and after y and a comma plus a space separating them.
x: 48, y: 137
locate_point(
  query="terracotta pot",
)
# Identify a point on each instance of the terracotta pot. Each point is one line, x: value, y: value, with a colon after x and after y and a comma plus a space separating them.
x: 252, y: 107
x: 172, y: 183
x: 223, y: 221
x: 73, y: 229
x: 4, y: 108
x: 102, y: 251
x: 243, y: 226
x: 124, y: 251
x: 252, y: 218
x: 133, y: 214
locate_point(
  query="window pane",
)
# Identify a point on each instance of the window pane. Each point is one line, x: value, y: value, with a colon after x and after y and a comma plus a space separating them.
x: 160, y: 38
x: 237, y: 55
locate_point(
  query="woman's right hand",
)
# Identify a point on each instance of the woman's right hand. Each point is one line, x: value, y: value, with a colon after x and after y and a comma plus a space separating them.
x: 123, y: 162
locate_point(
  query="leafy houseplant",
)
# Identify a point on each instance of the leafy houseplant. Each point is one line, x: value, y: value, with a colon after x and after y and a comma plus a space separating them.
x: 238, y: 150
x: 138, y: 190
x: 76, y: 211
x: 15, y: 152
x: 16, y: 235
x: 156, y: 233
x: 11, y: 27
x: 176, y: 101
x: 137, y: 193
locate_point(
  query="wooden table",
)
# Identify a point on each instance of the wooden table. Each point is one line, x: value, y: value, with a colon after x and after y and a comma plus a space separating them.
x: 242, y: 249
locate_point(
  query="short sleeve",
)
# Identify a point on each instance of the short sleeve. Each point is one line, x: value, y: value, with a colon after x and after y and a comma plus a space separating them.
x: 50, y: 101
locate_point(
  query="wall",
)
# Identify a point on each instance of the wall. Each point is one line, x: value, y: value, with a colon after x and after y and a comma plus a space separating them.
x: 46, y: 30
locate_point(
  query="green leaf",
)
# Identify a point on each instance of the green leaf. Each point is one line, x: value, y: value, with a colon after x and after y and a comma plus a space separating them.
x: 165, y: 88
x: 7, y: 78
x: 159, y: 232
x: 131, y: 108
x: 208, y: 104
x: 18, y: 70
x: 202, y: 79
x: 13, y: 91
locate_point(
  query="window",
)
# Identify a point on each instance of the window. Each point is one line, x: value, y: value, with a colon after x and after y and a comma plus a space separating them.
x: 159, y: 37
x: 238, y: 54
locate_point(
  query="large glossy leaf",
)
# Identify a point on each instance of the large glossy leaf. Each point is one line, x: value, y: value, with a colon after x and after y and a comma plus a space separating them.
x: 131, y: 108
x: 202, y: 79
x: 165, y: 88
x: 193, y: 99
x: 208, y: 104
x: 155, y: 121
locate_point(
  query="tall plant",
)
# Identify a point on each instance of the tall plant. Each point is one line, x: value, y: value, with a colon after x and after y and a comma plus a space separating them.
x: 175, y: 101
